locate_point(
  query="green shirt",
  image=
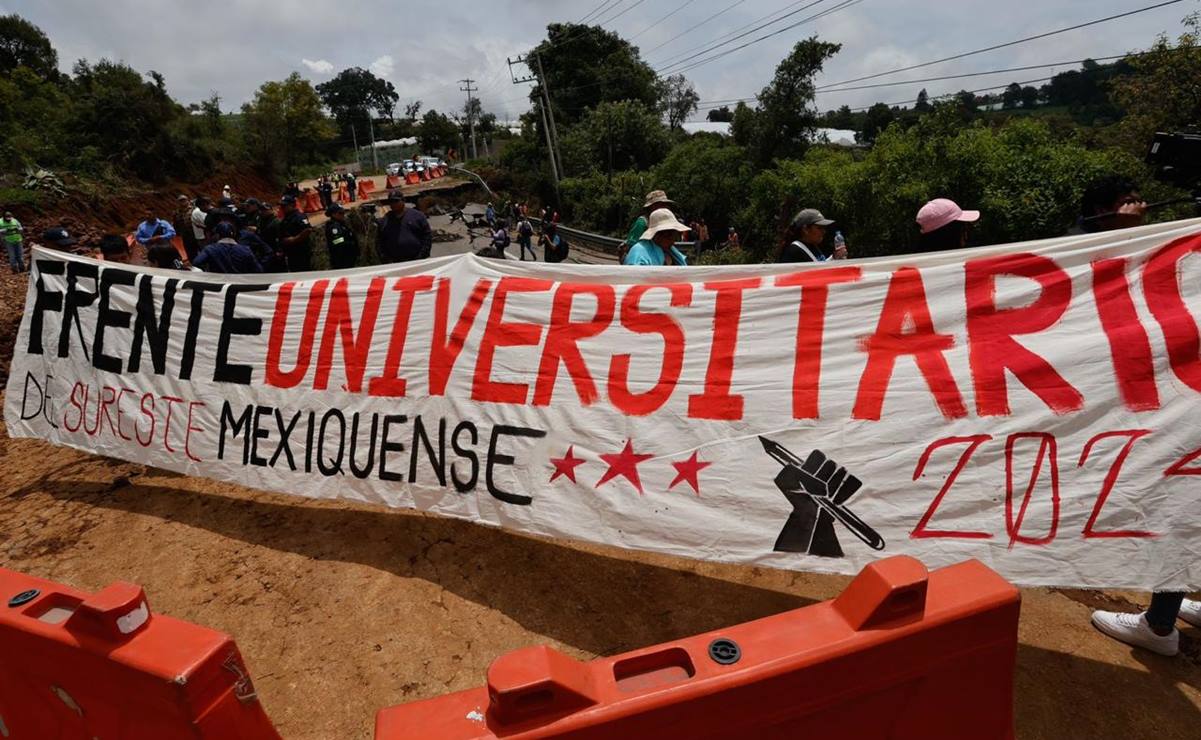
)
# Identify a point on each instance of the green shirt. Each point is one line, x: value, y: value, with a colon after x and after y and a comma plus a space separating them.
x: 636, y: 232
x: 11, y: 229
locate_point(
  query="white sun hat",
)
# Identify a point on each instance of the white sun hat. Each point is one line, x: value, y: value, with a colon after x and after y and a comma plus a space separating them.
x: 663, y: 220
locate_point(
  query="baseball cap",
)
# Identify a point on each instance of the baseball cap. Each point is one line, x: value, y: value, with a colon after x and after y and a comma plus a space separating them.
x: 288, y: 200
x: 811, y: 217
x: 225, y: 230
x: 334, y: 208
x: 252, y: 202
x: 395, y: 195
x: 59, y: 237
x: 941, y: 212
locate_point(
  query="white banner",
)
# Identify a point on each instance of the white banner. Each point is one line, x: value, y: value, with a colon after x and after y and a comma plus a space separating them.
x: 1034, y: 405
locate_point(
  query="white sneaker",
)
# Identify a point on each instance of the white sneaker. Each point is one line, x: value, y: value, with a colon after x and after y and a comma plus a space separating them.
x: 1190, y: 611
x: 1133, y: 629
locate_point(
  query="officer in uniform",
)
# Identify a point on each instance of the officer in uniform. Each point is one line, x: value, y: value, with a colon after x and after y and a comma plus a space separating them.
x: 295, y: 237
x: 341, y: 240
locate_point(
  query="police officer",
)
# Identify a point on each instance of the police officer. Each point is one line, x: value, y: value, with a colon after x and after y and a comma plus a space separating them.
x: 341, y: 240
x: 295, y: 237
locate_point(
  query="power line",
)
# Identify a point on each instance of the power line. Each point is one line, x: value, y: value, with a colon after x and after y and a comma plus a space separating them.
x: 1004, y: 45
x: 664, y: 18
x: 725, y: 38
x: 612, y: 18
x: 829, y: 11
x: 603, y: 7
x: 721, y: 12
x: 976, y: 74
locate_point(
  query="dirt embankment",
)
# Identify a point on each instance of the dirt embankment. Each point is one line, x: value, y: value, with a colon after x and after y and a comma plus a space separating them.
x: 120, y: 212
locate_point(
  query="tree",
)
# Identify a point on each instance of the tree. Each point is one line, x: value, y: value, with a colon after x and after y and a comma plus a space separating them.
x: 842, y: 118
x: 437, y: 131
x: 785, y: 122
x: 354, y: 93
x: 284, y: 124
x: 721, y: 115
x: 124, y: 117
x: 1012, y: 97
x: 412, y: 110
x: 967, y: 102
x: 678, y: 99
x: 1030, y: 96
x: 742, y: 128
x: 710, y: 175
x: 1160, y: 93
x: 586, y: 66
x: 23, y: 44
x: 614, y: 137
x: 923, y: 102
x: 211, y: 111
x: 878, y: 118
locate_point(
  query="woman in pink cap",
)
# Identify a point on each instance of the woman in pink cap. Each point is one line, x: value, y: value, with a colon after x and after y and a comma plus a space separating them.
x: 944, y: 225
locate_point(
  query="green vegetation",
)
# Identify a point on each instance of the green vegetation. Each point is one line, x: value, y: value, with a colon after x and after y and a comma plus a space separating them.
x: 1023, y: 156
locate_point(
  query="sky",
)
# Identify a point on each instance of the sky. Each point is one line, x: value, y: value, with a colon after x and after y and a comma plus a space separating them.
x: 425, y: 48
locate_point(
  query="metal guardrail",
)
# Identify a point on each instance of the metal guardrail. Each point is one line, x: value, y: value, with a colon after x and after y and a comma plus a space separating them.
x: 607, y: 244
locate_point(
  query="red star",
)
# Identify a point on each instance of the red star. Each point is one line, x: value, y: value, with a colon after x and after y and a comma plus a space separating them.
x: 624, y: 463
x: 565, y: 466
x: 687, y: 471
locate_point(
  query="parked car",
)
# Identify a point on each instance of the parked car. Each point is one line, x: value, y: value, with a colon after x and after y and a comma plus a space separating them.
x: 394, y: 169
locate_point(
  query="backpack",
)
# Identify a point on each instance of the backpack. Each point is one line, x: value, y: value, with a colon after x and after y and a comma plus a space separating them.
x: 526, y: 228
x: 559, y: 253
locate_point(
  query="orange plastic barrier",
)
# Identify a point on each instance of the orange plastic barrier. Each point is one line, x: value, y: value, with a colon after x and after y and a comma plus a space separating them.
x: 366, y: 188
x: 412, y: 178
x: 425, y: 174
x: 78, y: 666
x: 312, y: 202
x: 901, y: 654
x: 392, y: 182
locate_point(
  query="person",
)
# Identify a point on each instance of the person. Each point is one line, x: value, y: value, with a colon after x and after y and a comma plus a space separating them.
x: 554, y: 246
x: 226, y: 255
x: 805, y: 237
x: 352, y: 186
x: 13, y: 234
x: 115, y: 248
x: 227, y: 193
x: 181, y: 221
x: 295, y: 237
x: 655, y: 200
x: 944, y: 225
x: 260, y: 221
x: 733, y: 241
x: 199, y: 214
x: 59, y: 237
x: 153, y: 230
x: 490, y: 216
x: 341, y: 240
x: 326, y: 190
x: 404, y: 233
x: 165, y: 256
x: 1110, y: 203
x: 525, y: 239
x: 500, y: 238
x: 703, y: 235
x: 657, y: 247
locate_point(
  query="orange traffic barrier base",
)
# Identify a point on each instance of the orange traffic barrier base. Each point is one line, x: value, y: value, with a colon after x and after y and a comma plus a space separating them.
x: 311, y: 202
x: 412, y: 178
x: 366, y: 187
x: 393, y: 181
x: 78, y: 665
x: 901, y: 654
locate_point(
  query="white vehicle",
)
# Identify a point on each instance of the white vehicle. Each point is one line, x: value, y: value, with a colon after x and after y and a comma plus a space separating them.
x: 394, y: 169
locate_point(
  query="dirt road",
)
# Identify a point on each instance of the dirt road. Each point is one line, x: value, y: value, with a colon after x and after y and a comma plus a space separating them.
x: 342, y: 609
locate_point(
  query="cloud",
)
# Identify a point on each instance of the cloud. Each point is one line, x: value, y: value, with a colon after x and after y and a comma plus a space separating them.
x: 383, y: 67
x: 321, y: 66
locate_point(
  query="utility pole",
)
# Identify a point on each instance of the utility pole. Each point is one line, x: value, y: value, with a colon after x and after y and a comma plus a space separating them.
x: 548, y: 119
x: 471, y: 114
x: 550, y: 111
x: 358, y: 156
x: 374, y: 150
